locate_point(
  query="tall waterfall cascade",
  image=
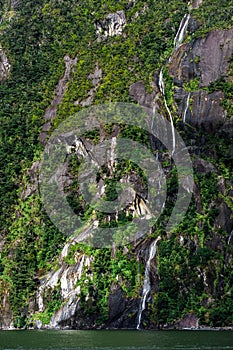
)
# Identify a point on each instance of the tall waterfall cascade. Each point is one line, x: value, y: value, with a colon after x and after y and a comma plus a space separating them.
x: 177, y: 42
x: 146, y: 284
x: 153, y: 247
x: 181, y: 31
x: 162, y: 90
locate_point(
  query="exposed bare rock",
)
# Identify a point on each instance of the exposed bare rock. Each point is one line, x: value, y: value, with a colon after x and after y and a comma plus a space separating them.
x: 1, y: 243
x: 194, y: 59
x: 202, y: 109
x: 67, y: 277
x: 15, y: 3
x: 116, y: 302
x: 5, y: 65
x: 203, y: 167
x: 193, y: 25
x: 6, y: 315
x: 207, y: 111
x: 138, y: 93
x: 195, y: 4
x: 60, y: 90
x: 188, y: 321
x: 224, y: 219
x: 95, y: 79
x: 96, y: 76
x: 32, y: 186
x: 140, y: 13
x: 112, y: 25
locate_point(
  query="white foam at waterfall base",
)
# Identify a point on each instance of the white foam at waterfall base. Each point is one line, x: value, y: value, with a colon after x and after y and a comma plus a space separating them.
x: 146, y: 284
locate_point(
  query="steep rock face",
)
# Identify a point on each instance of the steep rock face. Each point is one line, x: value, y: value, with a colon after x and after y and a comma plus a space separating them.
x: 50, y: 113
x: 64, y: 279
x: 195, y: 258
x: 193, y: 62
x: 204, y: 111
x: 139, y: 94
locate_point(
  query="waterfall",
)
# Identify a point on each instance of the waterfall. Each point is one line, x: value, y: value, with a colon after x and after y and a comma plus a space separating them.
x: 177, y: 42
x: 153, y: 247
x: 181, y: 31
x: 186, y: 107
x: 161, y: 88
x: 146, y: 284
x: 230, y: 237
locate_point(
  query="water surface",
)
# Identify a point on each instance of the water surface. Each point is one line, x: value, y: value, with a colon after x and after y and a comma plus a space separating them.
x: 114, y: 340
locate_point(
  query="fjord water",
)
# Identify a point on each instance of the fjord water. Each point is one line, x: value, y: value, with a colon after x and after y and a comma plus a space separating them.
x: 116, y: 340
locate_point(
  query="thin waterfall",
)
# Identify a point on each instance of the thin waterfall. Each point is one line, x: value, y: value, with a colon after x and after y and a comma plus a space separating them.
x: 146, y: 284
x: 161, y: 88
x: 230, y: 237
x: 152, y: 119
x: 181, y: 31
x: 177, y: 42
x: 153, y: 248
x: 186, y: 107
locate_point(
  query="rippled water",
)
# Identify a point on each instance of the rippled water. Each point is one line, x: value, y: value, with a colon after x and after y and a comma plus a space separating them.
x: 114, y: 340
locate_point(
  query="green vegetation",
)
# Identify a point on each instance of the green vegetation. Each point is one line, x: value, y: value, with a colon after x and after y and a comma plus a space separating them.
x: 213, y: 16
x: 36, y: 37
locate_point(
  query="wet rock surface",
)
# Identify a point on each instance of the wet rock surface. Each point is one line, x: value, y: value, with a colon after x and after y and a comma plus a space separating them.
x: 194, y: 60
x: 193, y: 63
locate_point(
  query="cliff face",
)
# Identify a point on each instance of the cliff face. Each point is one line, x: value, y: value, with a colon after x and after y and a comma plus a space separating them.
x: 205, y: 61
x: 180, y: 69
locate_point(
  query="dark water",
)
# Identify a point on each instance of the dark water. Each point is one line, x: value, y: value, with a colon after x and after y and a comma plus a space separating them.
x: 114, y: 340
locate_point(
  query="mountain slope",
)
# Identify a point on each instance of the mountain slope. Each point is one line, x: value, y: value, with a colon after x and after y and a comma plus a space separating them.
x: 59, y: 57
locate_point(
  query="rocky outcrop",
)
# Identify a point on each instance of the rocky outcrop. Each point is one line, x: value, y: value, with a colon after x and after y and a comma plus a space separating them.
x: 193, y: 68
x: 64, y: 293
x: 189, y: 321
x: 5, y: 65
x: 95, y: 78
x: 195, y: 4
x: 224, y: 218
x: 64, y: 278
x: 6, y: 314
x: 112, y: 25
x: 200, y: 108
x: 138, y: 92
x: 32, y: 186
x: 194, y: 60
x: 50, y: 113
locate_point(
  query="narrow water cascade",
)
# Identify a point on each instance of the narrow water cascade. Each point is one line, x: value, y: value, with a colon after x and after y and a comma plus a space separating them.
x: 177, y: 42
x: 162, y: 90
x: 181, y: 31
x: 146, y: 284
x: 230, y: 237
x: 186, y: 107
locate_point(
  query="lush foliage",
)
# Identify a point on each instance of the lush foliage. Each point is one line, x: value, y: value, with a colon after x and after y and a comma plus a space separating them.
x: 36, y: 37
